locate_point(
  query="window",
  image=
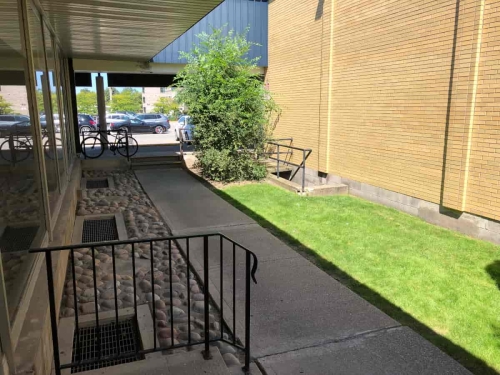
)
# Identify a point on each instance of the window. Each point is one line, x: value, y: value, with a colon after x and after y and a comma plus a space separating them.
x: 163, y: 90
x: 143, y: 99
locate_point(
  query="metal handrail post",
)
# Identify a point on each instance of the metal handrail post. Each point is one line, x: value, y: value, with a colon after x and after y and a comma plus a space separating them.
x: 278, y: 163
x: 53, y: 317
x: 303, y: 169
x: 126, y: 136
x: 206, y: 352
x: 247, y: 313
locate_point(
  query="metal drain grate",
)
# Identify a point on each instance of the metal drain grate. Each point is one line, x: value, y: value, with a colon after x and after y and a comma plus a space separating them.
x: 17, y: 239
x: 96, y: 184
x: 99, y: 230
x: 128, y: 342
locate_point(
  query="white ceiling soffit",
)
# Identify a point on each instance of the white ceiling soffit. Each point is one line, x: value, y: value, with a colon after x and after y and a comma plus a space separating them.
x: 122, y: 29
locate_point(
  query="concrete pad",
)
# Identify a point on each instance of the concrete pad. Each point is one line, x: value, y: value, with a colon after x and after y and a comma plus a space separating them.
x: 265, y: 246
x: 296, y: 305
x: 186, y: 204
x: 391, y: 352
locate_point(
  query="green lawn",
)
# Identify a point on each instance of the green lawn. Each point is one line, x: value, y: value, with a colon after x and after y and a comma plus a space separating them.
x: 440, y: 283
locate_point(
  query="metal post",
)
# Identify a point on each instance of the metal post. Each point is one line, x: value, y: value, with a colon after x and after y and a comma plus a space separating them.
x: 101, y: 110
x: 303, y: 169
x: 126, y: 137
x: 53, y: 314
x: 206, y: 353
x: 278, y: 163
x: 247, y: 313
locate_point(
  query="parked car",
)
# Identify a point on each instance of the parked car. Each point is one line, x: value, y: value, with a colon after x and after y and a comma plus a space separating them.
x: 57, y: 122
x: 7, y: 121
x: 184, y: 129
x: 86, y: 123
x: 117, y: 121
x: 158, y: 122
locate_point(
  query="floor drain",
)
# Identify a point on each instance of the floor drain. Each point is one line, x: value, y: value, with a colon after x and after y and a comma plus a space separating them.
x: 97, y: 184
x: 85, y: 345
x: 99, y: 230
x: 17, y: 239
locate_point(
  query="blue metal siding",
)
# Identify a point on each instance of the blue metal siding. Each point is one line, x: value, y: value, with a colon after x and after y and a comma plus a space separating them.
x: 237, y: 15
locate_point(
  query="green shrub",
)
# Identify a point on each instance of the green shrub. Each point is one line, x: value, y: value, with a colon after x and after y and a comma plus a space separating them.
x: 225, y: 166
x: 229, y: 105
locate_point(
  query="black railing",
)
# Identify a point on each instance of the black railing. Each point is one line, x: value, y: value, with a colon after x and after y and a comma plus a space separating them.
x: 250, y: 264
x: 289, y: 153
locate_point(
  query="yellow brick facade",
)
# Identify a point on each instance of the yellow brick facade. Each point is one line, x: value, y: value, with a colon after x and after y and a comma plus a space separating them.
x: 403, y: 95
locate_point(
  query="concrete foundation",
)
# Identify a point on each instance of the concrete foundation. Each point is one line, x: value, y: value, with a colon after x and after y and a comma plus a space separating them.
x: 466, y: 223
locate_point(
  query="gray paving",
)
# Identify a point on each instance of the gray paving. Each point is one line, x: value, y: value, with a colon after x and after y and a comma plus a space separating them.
x: 297, y: 309
x: 392, y: 352
x: 186, y: 204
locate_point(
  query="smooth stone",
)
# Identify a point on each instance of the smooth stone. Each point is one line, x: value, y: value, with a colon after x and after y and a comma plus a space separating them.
x: 224, y: 348
x: 162, y: 323
x: 195, y: 289
x: 198, y: 297
x: 231, y: 360
x: 89, y: 293
x: 175, y: 302
x: 159, y: 304
x: 86, y: 279
x: 145, y: 285
x: 178, y: 287
x: 111, y: 285
x: 176, y: 311
x: 110, y: 293
x: 128, y: 289
x: 129, y: 297
x: 88, y: 308
x: 149, y: 297
x: 160, y: 315
x: 166, y: 333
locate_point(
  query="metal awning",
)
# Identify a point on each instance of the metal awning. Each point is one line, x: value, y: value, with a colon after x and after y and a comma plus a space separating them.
x: 122, y: 29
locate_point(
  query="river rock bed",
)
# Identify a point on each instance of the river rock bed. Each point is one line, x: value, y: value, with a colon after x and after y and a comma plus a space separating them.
x: 142, y: 220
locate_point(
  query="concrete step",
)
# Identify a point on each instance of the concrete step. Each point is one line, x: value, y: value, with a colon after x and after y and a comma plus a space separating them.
x: 162, y: 158
x: 166, y: 161
x: 312, y: 191
x: 185, y: 363
x: 152, y: 165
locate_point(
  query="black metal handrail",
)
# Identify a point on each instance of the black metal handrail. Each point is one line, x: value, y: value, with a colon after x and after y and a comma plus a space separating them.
x: 250, y: 271
x: 305, y: 154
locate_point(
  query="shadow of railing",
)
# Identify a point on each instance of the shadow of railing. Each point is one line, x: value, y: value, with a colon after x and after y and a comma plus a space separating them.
x: 461, y: 355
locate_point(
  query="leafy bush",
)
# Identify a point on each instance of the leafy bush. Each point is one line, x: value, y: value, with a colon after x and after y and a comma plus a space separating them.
x: 229, y: 106
x: 226, y: 166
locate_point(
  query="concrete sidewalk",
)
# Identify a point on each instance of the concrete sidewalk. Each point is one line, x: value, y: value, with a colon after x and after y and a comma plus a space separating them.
x: 303, y: 320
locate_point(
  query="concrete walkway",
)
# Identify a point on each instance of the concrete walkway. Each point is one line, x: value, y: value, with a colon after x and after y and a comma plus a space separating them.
x: 303, y: 321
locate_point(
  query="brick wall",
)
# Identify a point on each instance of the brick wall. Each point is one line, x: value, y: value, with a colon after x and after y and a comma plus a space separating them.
x: 377, y: 77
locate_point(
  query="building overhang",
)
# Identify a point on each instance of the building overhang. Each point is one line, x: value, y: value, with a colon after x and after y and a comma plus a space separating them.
x: 121, y: 30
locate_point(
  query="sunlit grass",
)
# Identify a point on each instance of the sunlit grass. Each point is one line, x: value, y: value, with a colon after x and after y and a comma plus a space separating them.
x: 439, y: 282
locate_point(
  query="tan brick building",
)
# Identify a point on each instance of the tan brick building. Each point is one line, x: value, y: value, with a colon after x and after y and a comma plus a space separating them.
x: 403, y: 100
x: 150, y: 96
x: 17, y: 97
